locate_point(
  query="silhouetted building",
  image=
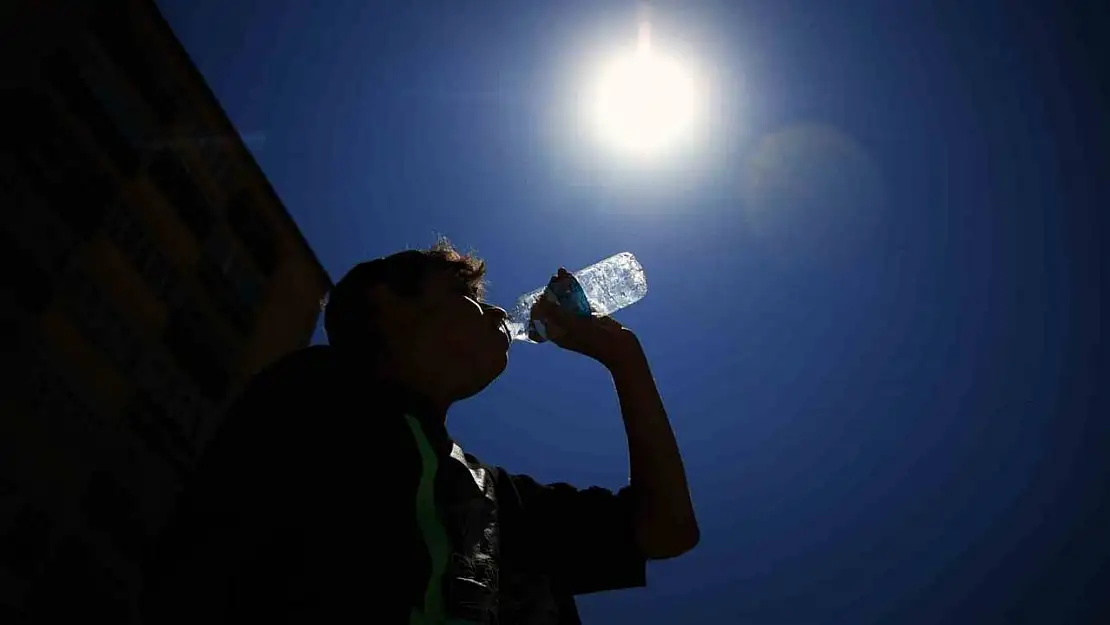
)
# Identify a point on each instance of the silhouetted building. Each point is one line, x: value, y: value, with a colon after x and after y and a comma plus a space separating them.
x: 149, y: 270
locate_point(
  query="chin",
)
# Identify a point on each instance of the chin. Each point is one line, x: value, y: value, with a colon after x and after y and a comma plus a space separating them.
x: 491, y: 373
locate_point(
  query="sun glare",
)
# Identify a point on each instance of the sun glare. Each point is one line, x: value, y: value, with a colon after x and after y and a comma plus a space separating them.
x: 645, y: 101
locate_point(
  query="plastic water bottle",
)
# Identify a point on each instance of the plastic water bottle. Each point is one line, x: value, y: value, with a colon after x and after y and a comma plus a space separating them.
x: 600, y: 289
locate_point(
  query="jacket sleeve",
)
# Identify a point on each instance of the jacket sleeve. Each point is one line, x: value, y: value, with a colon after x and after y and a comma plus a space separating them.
x: 584, y: 537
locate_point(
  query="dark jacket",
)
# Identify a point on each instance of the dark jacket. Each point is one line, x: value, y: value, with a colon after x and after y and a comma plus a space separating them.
x: 324, y: 496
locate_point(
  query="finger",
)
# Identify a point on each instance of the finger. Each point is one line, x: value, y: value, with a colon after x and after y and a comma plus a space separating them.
x: 555, y: 330
x: 609, y: 322
x: 552, y: 311
x: 543, y: 305
x: 545, y: 310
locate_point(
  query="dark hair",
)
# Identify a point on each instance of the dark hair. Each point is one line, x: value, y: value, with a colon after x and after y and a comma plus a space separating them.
x: 349, y: 312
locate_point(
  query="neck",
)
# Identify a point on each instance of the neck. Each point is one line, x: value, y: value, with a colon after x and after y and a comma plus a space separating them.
x: 431, y: 415
x: 418, y: 404
x: 428, y: 411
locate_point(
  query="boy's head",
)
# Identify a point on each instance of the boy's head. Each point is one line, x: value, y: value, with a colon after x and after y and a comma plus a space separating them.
x: 417, y: 319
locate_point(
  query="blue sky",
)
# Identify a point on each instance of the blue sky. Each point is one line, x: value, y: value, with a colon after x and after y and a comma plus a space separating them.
x: 867, y: 310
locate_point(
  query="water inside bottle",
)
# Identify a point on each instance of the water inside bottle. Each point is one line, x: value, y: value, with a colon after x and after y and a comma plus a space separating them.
x: 608, y: 286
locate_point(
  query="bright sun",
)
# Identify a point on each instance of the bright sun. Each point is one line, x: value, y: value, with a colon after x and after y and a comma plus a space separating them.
x: 645, y: 102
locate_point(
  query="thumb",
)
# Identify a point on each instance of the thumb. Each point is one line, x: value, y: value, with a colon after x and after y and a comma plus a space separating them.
x: 549, y: 311
x: 556, y: 331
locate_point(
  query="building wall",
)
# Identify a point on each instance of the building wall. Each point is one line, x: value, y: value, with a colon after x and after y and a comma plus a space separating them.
x: 150, y: 270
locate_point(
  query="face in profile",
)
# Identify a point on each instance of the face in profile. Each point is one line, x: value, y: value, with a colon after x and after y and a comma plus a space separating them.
x: 454, y: 345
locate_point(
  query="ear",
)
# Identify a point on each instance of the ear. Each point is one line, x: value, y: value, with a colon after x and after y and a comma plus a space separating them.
x: 393, y: 313
x: 381, y: 297
x: 385, y: 315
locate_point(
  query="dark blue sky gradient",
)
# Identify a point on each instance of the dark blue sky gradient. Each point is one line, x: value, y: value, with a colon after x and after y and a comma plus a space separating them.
x: 870, y: 310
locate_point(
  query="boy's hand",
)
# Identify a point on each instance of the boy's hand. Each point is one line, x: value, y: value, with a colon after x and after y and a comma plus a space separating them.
x: 601, y: 338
